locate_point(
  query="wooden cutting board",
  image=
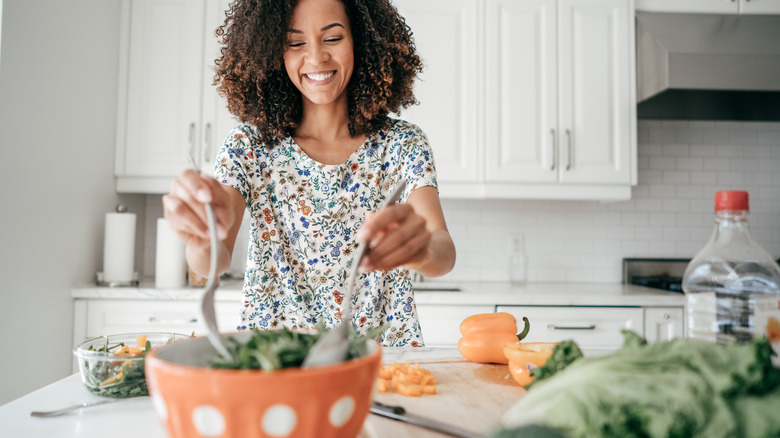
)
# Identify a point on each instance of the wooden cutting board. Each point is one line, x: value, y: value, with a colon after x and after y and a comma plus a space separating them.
x: 469, y: 395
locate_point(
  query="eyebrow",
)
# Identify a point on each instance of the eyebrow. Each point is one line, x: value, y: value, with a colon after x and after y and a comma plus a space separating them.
x: 330, y: 26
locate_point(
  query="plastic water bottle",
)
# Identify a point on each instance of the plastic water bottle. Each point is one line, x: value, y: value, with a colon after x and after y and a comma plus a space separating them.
x: 732, y: 285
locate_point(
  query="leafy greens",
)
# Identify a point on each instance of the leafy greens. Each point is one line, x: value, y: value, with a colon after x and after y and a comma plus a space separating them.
x: 678, y: 388
x: 271, y: 350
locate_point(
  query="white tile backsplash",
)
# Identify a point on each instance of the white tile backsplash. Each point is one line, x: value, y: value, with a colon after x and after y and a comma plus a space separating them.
x: 681, y: 165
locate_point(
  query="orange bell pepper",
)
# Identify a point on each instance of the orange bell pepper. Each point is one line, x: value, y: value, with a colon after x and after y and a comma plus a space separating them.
x: 523, y: 357
x: 486, y: 334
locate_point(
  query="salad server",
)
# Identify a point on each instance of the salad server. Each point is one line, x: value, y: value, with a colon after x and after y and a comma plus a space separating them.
x: 207, y: 311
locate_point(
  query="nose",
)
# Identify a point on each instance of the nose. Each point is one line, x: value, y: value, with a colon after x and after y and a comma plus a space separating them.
x: 317, y: 53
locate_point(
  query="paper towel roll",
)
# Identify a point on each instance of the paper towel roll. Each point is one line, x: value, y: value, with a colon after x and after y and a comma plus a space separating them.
x: 119, y: 248
x: 170, y: 266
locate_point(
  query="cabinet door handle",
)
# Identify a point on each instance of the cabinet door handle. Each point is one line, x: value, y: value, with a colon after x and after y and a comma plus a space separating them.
x: 206, y: 143
x: 571, y: 327
x: 191, y: 146
x: 155, y: 320
x: 554, y: 150
x: 568, y: 158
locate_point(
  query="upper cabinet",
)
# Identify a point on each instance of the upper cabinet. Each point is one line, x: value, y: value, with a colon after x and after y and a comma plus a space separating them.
x: 447, y: 36
x: 519, y: 98
x: 168, y: 107
x: 527, y: 98
x: 711, y: 6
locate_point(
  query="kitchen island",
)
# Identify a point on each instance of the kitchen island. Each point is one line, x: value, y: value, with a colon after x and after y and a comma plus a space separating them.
x: 471, y: 396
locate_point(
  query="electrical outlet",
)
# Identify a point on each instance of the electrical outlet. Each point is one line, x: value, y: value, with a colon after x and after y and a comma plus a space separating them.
x: 516, y: 244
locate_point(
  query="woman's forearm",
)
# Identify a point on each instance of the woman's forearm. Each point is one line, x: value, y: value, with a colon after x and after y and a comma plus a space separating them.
x: 199, y: 260
x: 441, y: 255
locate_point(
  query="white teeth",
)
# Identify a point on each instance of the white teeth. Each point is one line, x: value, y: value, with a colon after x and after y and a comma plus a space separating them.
x: 319, y: 76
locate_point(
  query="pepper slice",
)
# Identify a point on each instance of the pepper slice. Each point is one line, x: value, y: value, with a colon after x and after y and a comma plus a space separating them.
x: 522, y: 357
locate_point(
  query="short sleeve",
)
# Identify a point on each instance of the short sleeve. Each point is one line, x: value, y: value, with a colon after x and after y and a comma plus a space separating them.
x: 419, y: 169
x: 236, y: 164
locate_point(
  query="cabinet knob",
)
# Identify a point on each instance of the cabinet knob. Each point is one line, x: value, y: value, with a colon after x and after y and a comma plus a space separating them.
x: 554, y: 150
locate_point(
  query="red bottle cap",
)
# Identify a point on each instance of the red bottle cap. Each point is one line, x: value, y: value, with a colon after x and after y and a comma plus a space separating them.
x: 731, y: 200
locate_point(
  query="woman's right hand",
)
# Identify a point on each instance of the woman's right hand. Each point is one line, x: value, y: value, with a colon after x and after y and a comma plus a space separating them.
x: 184, y: 208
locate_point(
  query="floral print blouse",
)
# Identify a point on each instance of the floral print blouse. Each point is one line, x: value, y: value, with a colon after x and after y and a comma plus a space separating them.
x: 304, y: 217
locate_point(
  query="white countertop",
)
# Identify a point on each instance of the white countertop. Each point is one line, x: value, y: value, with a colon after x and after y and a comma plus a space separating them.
x: 135, y: 417
x: 471, y: 293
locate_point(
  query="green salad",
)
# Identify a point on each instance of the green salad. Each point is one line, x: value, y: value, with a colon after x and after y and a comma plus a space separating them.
x: 271, y: 350
x: 111, y: 366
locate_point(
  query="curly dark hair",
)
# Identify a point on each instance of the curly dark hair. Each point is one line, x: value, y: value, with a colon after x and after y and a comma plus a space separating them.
x: 250, y: 72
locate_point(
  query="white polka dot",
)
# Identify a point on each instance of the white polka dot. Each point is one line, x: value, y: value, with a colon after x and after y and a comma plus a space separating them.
x: 279, y: 420
x: 341, y: 411
x: 208, y: 421
x: 160, y: 407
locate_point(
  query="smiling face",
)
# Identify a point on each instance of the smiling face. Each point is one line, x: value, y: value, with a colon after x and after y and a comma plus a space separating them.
x: 318, y: 54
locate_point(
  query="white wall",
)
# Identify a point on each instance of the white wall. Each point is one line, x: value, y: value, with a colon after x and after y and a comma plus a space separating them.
x: 58, y: 96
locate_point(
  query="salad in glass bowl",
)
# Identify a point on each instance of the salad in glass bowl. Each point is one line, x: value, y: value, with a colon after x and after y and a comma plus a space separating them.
x: 113, y: 366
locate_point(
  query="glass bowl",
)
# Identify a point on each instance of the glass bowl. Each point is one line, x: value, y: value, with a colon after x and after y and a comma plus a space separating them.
x: 113, y: 366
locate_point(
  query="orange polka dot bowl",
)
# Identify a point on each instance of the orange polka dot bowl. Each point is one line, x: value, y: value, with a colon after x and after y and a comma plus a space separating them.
x: 192, y: 399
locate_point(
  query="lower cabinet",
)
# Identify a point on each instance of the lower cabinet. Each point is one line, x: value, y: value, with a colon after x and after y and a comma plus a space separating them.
x: 105, y: 317
x: 440, y: 324
x: 98, y: 317
x: 664, y: 323
x: 595, y: 329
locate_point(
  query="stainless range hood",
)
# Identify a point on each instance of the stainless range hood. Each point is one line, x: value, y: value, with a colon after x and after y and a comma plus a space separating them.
x: 708, y: 67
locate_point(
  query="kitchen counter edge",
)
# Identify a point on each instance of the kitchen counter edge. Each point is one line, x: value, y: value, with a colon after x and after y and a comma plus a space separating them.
x: 469, y: 293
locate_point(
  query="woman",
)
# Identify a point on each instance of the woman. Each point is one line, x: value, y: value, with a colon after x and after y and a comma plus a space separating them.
x: 313, y: 81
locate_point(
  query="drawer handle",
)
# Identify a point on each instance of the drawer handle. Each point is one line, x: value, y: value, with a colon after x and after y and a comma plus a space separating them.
x: 154, y: 319
x: 571, y: 327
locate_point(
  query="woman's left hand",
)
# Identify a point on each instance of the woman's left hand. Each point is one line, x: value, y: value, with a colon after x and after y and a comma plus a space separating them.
x: 396, y: 236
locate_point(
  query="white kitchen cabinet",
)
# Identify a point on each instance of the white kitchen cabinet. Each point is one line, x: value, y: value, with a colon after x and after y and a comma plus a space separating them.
x: 440, y: 324
x: 596, y: 330
x: 446, y: 34
x: 664, y: 323
x: 101, y: 316
x: 541, y: 93
x: 167, y: 103
x: 559, y: 92
x: 104, y: 317
x: 711, y: 6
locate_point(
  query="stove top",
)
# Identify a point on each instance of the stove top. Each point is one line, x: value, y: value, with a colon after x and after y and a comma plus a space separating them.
x: 658, y: 273
x: 665, y: 282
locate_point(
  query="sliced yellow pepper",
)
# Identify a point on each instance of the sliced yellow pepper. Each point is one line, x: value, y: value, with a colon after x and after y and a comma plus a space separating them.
x: 522, y: 357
